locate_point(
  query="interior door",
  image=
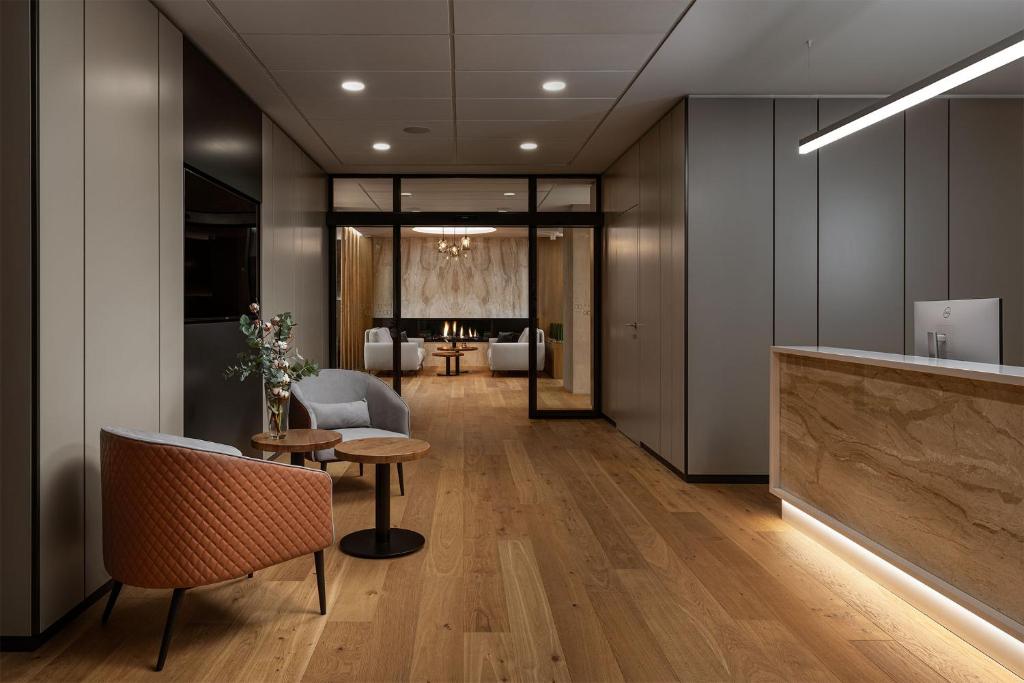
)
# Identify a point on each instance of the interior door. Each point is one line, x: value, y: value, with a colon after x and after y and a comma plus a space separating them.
x: 623, y: 352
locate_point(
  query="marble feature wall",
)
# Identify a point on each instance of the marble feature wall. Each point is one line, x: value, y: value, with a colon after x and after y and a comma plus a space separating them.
x: 929, y: 466
x: 492, y: 283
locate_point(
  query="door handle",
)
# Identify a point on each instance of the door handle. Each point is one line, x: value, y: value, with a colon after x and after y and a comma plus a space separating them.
x: 634, y: 325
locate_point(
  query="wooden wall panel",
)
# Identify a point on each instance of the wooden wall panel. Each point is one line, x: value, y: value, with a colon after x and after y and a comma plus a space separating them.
x: 122, y: 239
x: 294, y: 262
x: 355, y: 272
x: 550, y: 283
x: 622, y: 182
x: 986, y: 209
x: 621, y: 348
x: 61, y: 313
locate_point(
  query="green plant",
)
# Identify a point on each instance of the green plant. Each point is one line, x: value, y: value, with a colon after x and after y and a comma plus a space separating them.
x: 272, y: 357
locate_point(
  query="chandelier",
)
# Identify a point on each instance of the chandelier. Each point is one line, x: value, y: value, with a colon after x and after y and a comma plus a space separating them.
x: 454, y: 247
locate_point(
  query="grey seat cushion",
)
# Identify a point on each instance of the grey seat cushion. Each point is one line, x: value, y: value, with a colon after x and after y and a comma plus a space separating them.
x: 353, y: 434
x: 341, y: 415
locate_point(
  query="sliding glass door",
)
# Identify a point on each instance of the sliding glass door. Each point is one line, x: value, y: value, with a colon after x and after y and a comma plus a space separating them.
x: 446, y: 279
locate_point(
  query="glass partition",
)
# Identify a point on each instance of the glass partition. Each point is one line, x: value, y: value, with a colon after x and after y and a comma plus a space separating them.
x: 364, y: 300
x: 363, y: 194
x: 565, y: 293
x: 499, y: 195
x: 566, y: 194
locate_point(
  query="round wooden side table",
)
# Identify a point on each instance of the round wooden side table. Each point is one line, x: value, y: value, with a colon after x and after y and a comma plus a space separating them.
x: 448, y: 355
x: 296, y: 442
x: 382, y: 541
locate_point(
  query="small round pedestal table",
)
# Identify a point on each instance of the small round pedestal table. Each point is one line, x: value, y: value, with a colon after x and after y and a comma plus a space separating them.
x: 382, y: 542
x: 296, y: 442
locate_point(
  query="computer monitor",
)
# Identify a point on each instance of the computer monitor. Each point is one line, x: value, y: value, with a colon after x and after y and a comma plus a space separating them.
x: 962, y: 329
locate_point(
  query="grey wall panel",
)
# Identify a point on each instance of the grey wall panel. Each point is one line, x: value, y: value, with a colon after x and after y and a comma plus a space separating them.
x: 649, y: 292
x: 796, y: 225
x: 61, y: 314
x: 620, y: 393
x: 927, y: 219
x: 16, y: 286
x: 673, y: 334
x: 172, y: 257
x: 860, y: 195
x: 729, y: 292
x: 122, y: 239
x: 986, y: 215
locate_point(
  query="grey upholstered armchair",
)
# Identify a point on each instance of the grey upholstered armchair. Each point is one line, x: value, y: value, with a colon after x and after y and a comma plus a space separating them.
x: 388, y: 413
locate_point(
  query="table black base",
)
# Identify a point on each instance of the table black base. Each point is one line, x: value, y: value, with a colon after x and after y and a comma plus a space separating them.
x: 365, y: 544
x: 382, y: 541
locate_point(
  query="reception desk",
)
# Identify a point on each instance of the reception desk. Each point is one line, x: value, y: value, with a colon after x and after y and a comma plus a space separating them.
x: 918, y: 460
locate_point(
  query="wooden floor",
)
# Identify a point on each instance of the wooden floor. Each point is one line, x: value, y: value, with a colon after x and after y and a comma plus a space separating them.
x: 556, y: 550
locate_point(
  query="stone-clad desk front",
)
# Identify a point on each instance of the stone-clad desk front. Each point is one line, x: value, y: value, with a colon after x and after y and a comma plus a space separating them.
x: 923, y: 458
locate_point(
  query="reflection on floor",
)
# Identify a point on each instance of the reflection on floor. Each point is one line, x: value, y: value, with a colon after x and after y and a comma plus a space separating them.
x: 556, y: 550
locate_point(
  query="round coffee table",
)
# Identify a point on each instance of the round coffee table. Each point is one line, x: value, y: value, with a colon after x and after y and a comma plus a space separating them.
x: 296, y: 442
x: 382, y: 542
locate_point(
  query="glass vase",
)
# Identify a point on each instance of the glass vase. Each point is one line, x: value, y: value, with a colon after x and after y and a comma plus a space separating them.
x: 277, y: 412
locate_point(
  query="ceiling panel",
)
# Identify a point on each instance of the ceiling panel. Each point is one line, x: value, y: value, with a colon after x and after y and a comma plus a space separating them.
x: 390, y: 131
x: 316, y: 85
x: 565, y: 16
x: 291, y: 55
x: 542, y: 53
x: 353, y: 151
x: 369, y: 109
x: 527, y: 84
x: 535, y: 109
x: 507, y: 151
x: 341, y: 17
x: 338, y: 53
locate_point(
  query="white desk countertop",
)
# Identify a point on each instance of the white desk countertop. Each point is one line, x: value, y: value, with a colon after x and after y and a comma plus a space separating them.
x: 989, y: 372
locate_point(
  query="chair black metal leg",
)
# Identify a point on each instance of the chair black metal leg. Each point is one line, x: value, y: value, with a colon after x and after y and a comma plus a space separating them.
x: 401, y: 479
x: 176, y: 597
x: 318, y: 560
x: 251, y: 574
x: 323, y: 466
x: 115, y: 590
x: 360, y: 469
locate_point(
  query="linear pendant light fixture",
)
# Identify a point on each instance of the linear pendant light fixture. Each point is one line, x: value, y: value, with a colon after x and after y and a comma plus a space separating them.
x: 978, y: 64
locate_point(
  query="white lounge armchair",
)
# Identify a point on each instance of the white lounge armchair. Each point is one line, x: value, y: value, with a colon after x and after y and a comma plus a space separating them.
x: 514, y: 357
x: 378, y: 351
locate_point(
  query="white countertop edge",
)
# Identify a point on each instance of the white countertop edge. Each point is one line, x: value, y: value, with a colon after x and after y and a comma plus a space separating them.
x: 989, y: 372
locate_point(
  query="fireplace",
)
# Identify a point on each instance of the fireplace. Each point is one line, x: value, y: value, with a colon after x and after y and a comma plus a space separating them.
x: 432, y: 329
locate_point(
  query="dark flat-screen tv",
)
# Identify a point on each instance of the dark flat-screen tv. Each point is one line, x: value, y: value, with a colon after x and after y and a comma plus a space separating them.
x: 221, y: 251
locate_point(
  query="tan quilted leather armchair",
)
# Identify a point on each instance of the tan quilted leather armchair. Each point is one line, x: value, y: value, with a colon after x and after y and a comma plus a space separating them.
x: 180, y: 513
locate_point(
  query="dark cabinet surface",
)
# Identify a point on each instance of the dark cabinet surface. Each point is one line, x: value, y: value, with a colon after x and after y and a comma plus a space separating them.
x: 222, y: 126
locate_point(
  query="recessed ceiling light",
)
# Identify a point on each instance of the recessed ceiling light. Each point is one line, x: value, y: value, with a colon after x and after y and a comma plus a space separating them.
x: 353, y: 86
x: 407, y: 194
x: 381, y: 146
x: 502, y: 210
x: 510, y: 194
x: 528, y: 146
x: 554, y: 86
